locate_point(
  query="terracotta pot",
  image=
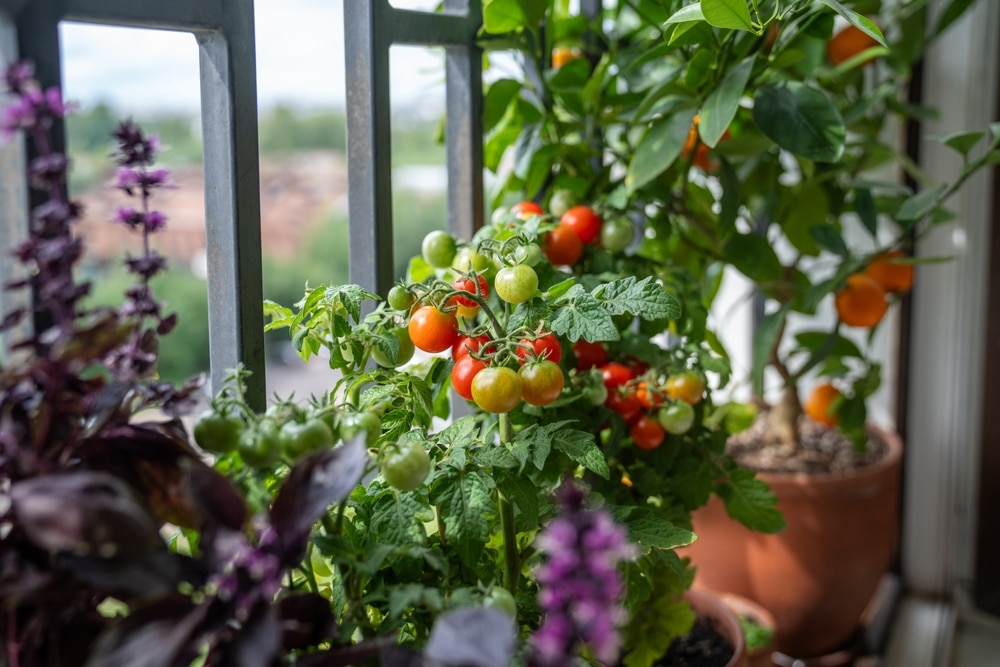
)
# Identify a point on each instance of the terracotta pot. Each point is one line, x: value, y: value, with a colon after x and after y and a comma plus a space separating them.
x: 817, y: 575
x: 759, y: 656
x: 724, y: 622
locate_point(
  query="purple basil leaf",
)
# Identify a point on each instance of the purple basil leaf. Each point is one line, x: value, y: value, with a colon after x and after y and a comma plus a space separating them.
x: 108, y: 404
x: 384, y: 648
x: 316, y: 482
x: 258, y: 642
x: 306, y: 620
x: 472, y: 637
x: 218, y: 501
x: 153, y: 636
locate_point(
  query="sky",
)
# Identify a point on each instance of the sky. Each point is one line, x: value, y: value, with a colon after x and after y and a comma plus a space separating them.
x: 300, y: 61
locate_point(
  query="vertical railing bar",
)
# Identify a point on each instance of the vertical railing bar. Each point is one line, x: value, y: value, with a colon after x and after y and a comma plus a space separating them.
x: 232, y: 200
x: 369, y: 149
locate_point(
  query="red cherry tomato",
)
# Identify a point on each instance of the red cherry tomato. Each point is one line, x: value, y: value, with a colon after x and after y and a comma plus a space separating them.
x: 647, y: 433
x: 589, y: 355
x: 562, y: 246
x: 543, y: 347
x: 615, y: 375
x: 469, y: 285
x: 541, y: 382
x: 432, y: 330
x: 462, y: 374
x: 584, y: 222
x: 649, y: 397
x: 526, y: 209
x: 465, y: 345
x: 624, y: 403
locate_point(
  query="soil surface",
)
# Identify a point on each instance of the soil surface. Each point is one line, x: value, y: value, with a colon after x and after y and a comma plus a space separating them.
x: 702, y: 647
x: 823, y: 450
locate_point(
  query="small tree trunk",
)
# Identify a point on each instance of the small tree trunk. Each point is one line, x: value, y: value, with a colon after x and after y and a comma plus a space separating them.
x: 783, y: 421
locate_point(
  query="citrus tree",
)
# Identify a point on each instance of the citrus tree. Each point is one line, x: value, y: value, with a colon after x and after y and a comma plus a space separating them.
x: 759, y: 135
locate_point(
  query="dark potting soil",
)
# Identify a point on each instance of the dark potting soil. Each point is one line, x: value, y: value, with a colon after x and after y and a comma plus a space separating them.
x: 702, y: 647
x: 823, y: 450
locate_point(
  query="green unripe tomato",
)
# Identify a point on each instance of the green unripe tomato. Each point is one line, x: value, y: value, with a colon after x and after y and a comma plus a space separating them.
x: 529, y: 254
x: 469, y: 260
x: 301, y: 438
x: 677, y: 417
x: 368, y: 423
x: 406, y: 466
x: 405, y: 350
x: 516, y: 284
x: 259, y: 447
x: 438, y: 249
x: 617, y: 234
x: 218, y: 433
x: 739, y: 417
x: 561, y: 201
x: 400, y: 298
x: 501, y: 599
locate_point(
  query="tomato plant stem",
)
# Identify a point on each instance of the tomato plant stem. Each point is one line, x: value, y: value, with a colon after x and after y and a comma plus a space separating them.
x: 512, y: 559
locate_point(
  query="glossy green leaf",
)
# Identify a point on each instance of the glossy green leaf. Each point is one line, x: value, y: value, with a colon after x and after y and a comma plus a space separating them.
x: 500, y: 16
x: 733, y: 14
x: 859, y: 21
x: 864, y: 205
x: 722, y: 103
x: 691, y: 12
x: 962, y: 142
x: 496, y: 101
x: 920, y: 204
x: 952, y: 13
x: 658, y: 150
x: 800, y: 119
x: 763, y: 342
x: 752, y: 255
x: 828, y: 237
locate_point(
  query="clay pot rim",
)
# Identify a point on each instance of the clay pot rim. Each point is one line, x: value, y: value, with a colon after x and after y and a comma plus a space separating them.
x: 860, y: 476
x: 710, y: 603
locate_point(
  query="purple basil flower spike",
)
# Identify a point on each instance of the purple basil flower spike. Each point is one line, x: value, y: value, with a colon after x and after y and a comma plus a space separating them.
x: 580, y: 587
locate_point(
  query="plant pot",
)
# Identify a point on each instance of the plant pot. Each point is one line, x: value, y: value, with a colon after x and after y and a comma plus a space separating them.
x: 817, y: 575
x: 722, y: 620
x: 758, y: 656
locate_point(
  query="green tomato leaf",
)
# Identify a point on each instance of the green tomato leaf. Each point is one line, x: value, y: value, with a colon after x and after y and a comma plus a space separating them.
x: 732, y: 14
x: 643, y: 298
x: 522, y: 492
x: 395, y: 519
x: 494, y: 457
x: 459, y: 433
x: 500, y: 16
x: 581, y: 447
x: 658, y: 149
x: 801, y: 119
x: 350, y: 296
x: 658, y: 619
x: 650, y: 529
x: 463, y: 501
x: 579, y: 315
x: 721, y: 105
x: 859, y: 21
x: 750, y: 501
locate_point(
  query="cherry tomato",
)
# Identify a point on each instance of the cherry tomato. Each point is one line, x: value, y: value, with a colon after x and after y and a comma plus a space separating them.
x: 687, y: 386
x: 260, y: 446
x: 676, y: 418
x: 561, y: 201
x: 615, y: 374
x: 596, y: 394
x: 584, y: 222
x: 649, y: 397
x: 562, y: 246
x: 647, y: 433
x: 617, y: 234
x: 501, y: 599
x: 368, y: 423
x: 438, y: 249
x: 546, y: 346
x: 469, y: 285
x: 496, y: 390
x: 403, y: 355
x: 218, y: 433
x: 301, y: 438
x: 406, y: 466
x: 624, y: 403
x: 526, y: 209
x: 462, y: 374
x: 465, y: 345
x: 400, y: 298
x: 589, y: 355
x: 432, y: 330
x: 469, y: 260
x: 528, y: 254
x: 739, y: 417
x: 541, y: 382
x: 516, y: 284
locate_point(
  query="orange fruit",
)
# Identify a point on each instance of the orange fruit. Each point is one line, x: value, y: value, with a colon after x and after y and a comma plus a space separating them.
x: 819, y: 402
x: 564, y: 54
x: 701, y: 150
x: 848, y: 43
x: 893, y: 276
x: 861, y: 303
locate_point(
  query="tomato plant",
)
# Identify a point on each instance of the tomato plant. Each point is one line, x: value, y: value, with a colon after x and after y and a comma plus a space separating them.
x: 496, y: 390
x: 218, y: 432
x: 404, y: 351
x: 470, y: 260
x: 462, y: 374
x: 432, y: 330
x: 583, y: 222
x: 516, y: 284
x: 406, y: 465
x: 646, y: 432
x: 541, y: 382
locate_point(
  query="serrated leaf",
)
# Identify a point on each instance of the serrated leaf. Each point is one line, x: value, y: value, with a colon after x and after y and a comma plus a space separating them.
x: 751, y: 502
x: 732, y: 14
x: 920, y: 204
x: 494, y: 457
x: 658, y: 149
x: 581, y: 447
x: 460, y: 432
x: 579, y: 315
x: 859, y: 21
x: 643, y: 298
x: 394, y: 519
x: 721, y: 105
x: 529, y: 314
x: 463, y: 502
x: 350, y: 296
x: 650, y: 529
x: 801, y: 119
x: 523, y: 493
